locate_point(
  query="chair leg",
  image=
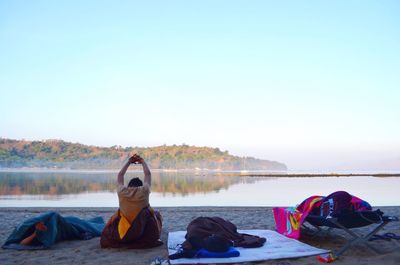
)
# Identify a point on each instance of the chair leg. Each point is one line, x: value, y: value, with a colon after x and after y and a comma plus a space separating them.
x: 310, y: 231
x: 318, y: 230
x: 349, y: 243
x: 357, y: 239
x: 336, y: 254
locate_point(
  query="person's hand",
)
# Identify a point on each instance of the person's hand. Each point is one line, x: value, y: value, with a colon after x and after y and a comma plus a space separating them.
x: 134, y: 159
x: 140, y: 160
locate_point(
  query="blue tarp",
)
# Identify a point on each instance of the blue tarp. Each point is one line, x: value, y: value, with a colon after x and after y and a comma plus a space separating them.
x: 58, y: 228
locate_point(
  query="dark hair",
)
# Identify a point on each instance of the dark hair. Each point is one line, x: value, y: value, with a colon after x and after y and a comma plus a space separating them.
x: 135, y: 182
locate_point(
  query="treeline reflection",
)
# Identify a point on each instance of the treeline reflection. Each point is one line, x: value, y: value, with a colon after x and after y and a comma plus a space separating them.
x: 55, y: 184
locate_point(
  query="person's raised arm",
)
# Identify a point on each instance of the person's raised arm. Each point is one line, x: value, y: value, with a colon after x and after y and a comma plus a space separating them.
x: 121, y: 174
x: 146, y: 171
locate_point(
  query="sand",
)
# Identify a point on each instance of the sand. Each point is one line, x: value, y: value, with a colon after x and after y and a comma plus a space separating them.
x: 177, y: 218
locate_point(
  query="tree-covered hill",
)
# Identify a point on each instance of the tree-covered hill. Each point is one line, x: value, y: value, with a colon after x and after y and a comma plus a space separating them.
x: 61, y: 154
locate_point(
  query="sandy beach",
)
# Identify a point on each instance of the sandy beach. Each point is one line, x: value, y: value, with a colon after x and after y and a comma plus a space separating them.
x: 177, y: 218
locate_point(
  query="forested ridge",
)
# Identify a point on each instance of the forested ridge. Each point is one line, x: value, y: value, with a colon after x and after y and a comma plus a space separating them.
x: 62, y: 154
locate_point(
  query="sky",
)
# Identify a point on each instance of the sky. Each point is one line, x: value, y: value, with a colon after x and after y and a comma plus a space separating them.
x: 313, y: 84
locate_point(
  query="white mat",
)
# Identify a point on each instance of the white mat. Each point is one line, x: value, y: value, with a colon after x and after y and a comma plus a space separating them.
x: 276, y: 247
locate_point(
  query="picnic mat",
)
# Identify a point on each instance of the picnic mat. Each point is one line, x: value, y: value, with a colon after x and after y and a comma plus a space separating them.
x: 276, y: 247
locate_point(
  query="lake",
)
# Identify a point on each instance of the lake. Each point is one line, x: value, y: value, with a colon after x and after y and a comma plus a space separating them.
x: 170, y: 189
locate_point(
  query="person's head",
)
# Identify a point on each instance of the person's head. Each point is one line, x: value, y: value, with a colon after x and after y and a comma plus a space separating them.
x: 135, y: 182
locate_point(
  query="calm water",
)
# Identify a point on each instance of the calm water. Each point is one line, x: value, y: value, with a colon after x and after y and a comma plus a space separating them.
x: 97, y: 189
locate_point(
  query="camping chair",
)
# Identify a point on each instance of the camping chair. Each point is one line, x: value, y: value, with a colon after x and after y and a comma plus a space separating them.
x: 346, y: 222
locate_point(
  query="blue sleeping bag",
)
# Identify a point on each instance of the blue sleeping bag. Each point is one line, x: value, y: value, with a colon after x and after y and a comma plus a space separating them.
x: 58, y: 228
x: 204, y: 253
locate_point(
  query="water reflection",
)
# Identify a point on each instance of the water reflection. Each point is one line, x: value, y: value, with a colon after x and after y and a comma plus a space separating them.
x: 88, y: 189
x: 185, y: 184
x: 56, y: 184
x: 21, y: 183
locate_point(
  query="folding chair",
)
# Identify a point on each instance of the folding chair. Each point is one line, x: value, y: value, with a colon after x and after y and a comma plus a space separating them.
x: 348, y: 221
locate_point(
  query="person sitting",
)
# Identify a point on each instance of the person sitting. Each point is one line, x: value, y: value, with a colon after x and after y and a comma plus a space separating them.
x: 135, y: 224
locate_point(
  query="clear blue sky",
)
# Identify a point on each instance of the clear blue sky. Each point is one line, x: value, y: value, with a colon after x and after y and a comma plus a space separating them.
x: 314, y: 84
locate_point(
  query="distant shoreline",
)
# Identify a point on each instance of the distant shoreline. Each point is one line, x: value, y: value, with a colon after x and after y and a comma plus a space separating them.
x: 297, y: 175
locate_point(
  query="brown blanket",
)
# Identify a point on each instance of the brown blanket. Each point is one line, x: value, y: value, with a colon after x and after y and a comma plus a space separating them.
x: 202, y: 227
x: 144, y: 231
